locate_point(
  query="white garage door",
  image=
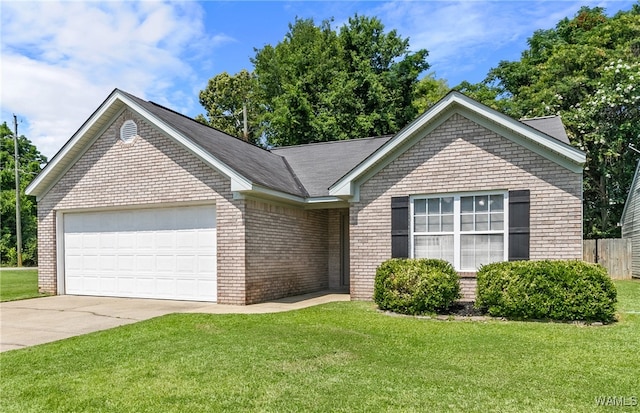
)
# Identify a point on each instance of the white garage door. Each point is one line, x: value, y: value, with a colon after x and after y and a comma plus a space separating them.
x: 165, y: 253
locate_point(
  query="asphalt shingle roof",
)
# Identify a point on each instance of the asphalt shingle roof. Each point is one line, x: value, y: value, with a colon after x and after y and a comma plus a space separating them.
x: 259, y: 165
x: 319, y: 165
x: 303, y: 170
x: 551, y: 125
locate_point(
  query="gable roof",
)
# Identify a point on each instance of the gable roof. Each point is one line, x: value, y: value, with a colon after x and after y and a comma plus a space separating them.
x: 319, y: 165
x: 248, y: 167
x: 307, y: 174
x: 455, y: 102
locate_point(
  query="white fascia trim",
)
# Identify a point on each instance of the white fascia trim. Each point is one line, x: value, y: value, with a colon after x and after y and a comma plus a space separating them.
x: 257, y: 191
x: 271, y: 195
x: 565, y: 156
x: 58, y: 157
x: 79, y: 155
x: 347, y: 186
x: 540, y: 138
x: 238, y: 182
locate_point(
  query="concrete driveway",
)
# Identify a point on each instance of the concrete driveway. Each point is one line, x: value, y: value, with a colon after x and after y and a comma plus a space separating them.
x: 27, y: 323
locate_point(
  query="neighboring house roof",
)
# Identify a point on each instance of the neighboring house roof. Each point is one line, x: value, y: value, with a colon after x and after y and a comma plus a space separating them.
x: 308, y: 174
x: 551, y: 125
x: 319, y: 165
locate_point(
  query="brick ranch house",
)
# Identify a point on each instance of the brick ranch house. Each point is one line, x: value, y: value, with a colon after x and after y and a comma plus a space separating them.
x: 144, y: 202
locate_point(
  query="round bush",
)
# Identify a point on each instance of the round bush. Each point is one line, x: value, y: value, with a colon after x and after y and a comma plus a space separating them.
x: 556, y: 290
x: 416, y: 286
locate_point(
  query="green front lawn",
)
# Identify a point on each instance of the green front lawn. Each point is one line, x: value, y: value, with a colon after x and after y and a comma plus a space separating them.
x: 342, y: 356
x: 18, y: 284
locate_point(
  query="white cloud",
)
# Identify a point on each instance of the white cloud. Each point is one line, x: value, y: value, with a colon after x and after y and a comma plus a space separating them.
x: 462, y: 35
x: 61, y: 59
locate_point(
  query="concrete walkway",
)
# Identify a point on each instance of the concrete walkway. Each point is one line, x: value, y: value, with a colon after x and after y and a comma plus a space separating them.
x: 27, y: 323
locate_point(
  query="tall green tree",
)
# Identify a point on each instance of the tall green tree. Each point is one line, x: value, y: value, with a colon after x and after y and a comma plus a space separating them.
x: 320, y: 84
x: 429, y: 91
x: 30, y: 164
x: 226, y: 98
x: 295, y: 84
x: 562, y: 72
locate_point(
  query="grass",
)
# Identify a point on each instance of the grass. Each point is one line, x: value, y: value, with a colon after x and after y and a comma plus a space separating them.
x: 342, y: 356
x: 18, y: 284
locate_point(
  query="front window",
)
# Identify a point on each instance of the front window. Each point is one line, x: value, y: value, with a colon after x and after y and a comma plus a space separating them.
x: 466, y: 230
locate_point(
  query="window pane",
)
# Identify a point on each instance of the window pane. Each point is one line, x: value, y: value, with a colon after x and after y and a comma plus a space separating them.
x: 420, y: 246
x: 482, y: 222
x: 497, y: 221
x: 434, y: 246
x: 466, y: 222
x: 420, y: 206
x: 420, y: 223
x: 434, y: 206
x: 477, y: 250
x: 447, y: 205
x: 466, y: 204
x: 434, y: 224
x: 482, y: 203
x: 447, y: 223
x: 467, y: 252
x: 496, y: 251
x: 497, y: 203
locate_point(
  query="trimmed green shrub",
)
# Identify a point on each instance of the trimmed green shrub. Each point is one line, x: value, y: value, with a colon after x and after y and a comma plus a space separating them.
x: 556, y: 290
x: 416, y: 286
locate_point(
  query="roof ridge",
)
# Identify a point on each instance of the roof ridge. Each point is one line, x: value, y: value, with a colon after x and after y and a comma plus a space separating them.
x: 331, y: 142
x: 540, y: 117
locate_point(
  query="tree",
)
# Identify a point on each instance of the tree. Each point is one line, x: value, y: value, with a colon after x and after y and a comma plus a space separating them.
x: 30, y: 163
x: 564, y: 71
x: 319, y: 84
x: 429, y: 91
x: 608, y: 121
x: 225, y: 98
x: 295, y: 84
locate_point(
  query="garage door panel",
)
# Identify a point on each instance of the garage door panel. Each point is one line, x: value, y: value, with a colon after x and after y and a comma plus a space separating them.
x: 165, y: 239
x: 152, y: 253
x: 126, y: 240
x: 184, y: 264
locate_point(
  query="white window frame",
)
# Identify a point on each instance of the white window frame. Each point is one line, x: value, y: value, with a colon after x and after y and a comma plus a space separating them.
x: 456, y: 224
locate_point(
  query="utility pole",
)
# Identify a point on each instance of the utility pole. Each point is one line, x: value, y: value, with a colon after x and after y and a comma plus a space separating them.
x: 245, y: 128
x: 18, y: 220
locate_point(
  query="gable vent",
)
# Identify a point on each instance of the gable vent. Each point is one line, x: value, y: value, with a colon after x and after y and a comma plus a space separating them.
x: 128, y: 131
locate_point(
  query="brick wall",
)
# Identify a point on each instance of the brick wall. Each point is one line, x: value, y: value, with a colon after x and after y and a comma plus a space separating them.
x: 461, y: 156
x: 151, y: 170
x: 335, y: 246
x: 287, y: 251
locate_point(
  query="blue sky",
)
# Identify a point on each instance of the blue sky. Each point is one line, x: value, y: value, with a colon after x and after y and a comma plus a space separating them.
x: 60, y: 59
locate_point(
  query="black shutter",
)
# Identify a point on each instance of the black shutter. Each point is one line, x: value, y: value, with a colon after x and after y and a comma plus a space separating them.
x: 400, y: 227
x: 519, y: 202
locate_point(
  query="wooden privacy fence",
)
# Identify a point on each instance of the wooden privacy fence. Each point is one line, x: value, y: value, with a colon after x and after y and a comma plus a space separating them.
x: 614, y: 254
